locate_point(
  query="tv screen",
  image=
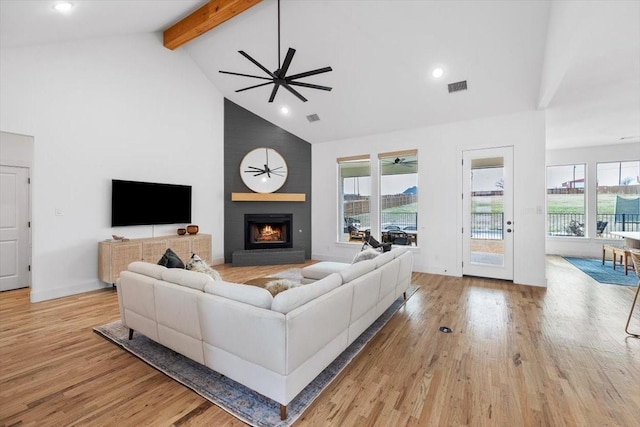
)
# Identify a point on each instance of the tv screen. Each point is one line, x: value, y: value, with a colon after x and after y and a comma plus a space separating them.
x: 147, y: 203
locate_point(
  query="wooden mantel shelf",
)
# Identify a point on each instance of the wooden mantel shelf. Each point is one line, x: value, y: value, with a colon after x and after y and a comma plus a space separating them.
x: 268, y: 197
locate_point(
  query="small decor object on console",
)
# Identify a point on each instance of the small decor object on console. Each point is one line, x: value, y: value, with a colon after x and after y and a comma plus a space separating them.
x: 182, y: 231
x: 198, y: 264
x: 193, y: 229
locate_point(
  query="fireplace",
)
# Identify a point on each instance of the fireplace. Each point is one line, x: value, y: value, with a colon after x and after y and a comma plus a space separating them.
x: 267, y: 231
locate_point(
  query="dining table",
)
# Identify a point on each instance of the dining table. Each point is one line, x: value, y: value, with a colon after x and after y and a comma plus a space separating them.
x: 631, y: 238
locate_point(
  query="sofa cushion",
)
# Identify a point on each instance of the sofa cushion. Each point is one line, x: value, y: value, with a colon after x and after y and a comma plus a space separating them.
x: 198, y: 264
x: 399, y: 250
x: 291, y: 299
x: 190, y: 279
x: 253, y: 295
x: 147, y: 268
x: 364, y: 255
x: 323, y: 269
x: 171, y: 259
x: 384, y: 258
x: 357, y: 270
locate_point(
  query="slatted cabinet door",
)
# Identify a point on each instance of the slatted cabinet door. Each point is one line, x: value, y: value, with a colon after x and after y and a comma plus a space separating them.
x: 153, y: 250
x: 181, y: 246
x: 201, y: 245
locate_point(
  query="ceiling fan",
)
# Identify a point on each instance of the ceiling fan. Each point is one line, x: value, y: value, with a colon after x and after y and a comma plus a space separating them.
x: 401, y: 161
x: 279, y: 77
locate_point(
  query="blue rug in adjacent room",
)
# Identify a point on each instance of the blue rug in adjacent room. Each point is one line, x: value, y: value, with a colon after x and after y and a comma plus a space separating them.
x: 604, y: 273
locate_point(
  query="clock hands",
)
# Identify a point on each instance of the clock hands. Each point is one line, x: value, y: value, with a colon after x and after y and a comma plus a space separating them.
x: 254, y: 170
x: 257, y: 171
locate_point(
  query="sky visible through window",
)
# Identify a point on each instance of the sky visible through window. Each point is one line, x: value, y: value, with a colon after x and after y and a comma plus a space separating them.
x: 608, y: 174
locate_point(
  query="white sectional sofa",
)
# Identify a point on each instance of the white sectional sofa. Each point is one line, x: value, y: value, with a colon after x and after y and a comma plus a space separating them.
x: 273, y: 345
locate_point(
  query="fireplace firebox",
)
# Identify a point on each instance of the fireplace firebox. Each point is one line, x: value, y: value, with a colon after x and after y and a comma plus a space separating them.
x: 267, y: 231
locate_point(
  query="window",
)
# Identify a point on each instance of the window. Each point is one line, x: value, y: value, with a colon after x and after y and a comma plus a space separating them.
x: 565, y: 200
x: 354, y: 198
x: 399, y: 197
x: 618, y: 197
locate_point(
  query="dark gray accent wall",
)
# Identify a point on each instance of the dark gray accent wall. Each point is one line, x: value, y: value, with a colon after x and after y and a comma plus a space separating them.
x: 244, y: 131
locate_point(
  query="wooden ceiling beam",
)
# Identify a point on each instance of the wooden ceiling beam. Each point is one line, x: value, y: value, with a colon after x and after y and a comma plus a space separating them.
x: 204, y: 19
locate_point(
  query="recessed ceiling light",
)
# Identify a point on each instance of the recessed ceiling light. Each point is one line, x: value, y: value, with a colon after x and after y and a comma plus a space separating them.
x: 63, y: 6
x: 437, y: 72
x: 284, y: 110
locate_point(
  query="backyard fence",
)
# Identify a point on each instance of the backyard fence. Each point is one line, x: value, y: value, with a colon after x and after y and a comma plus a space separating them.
x: 570, y: 224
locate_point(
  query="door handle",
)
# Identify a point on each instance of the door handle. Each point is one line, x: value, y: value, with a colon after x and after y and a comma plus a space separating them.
x: 508, y: 230
x: 508, y: 222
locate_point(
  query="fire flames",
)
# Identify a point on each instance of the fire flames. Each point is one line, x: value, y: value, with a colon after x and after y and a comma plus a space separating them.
x: 268, y: 234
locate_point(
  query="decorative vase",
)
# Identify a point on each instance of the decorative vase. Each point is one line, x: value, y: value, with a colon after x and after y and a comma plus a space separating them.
x: 192, y: 229
x: 182, y: 231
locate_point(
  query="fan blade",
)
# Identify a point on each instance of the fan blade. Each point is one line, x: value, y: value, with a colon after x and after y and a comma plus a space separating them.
x: 309, y: 85
x: 286, y: 63
x: 252, y: 87
x: 246, y: 55
x: 295, y: 92
x: 244, y: 75
x: 273, y: 92
x: 309, y: 73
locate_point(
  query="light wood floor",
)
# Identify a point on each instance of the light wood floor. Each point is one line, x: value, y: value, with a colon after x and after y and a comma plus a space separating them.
x: 518, y: 356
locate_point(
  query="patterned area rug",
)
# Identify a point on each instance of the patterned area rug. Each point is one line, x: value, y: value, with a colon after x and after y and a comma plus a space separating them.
x: 604, y: 273
x: 238, y: 400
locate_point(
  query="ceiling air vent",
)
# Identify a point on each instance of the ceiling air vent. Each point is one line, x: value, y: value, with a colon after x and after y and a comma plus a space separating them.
x: 313, y: 118
x: 457, y: 86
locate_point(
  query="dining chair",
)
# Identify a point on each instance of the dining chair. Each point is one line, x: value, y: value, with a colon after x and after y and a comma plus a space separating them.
x: 635, y: 256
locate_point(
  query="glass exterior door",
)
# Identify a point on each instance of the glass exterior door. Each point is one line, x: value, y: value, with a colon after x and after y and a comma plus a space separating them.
x: 488, y: 213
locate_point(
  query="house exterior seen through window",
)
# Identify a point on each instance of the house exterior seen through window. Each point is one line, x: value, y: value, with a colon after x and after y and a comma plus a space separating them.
x: 354, y: 182
x: 399, y: 197
x: 566, y: 200
x: 618, y: 197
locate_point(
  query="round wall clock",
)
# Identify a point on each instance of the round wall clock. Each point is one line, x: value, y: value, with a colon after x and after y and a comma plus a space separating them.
x: 263, y: 170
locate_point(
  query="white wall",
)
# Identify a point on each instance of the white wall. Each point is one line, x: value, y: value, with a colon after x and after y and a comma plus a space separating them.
x: 124, y: 108
x: 440, y: 187
x: 590, y: 246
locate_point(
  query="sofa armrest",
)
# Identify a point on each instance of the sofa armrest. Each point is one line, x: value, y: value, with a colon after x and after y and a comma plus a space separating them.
x: 312, y: 326
x: 322, y: 269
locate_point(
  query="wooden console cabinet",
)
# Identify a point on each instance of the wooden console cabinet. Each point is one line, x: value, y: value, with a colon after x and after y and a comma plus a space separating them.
x: 115, y: 256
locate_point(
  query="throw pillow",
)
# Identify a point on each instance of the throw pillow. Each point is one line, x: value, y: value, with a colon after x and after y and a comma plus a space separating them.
x: 198, y: 264
x: 365, y: 254
x: 279, y: 285
x: 171, y: 260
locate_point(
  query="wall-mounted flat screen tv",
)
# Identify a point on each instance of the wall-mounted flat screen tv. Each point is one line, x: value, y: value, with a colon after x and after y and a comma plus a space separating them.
x: 149, y: 203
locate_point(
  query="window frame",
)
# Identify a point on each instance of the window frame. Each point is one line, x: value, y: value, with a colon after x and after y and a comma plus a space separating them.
x: 578, y: 229
x: 412, y: 237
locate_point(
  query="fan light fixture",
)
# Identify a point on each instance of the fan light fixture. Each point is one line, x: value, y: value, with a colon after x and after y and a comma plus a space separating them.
x: 279, y: 77
x: 437, y: 73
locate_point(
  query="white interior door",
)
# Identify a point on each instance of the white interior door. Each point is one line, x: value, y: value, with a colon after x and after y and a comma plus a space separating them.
x: 14, y: 228
x: 487, y: 213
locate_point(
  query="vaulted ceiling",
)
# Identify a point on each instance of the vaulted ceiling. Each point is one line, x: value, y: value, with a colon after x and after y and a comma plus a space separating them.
x: 580, y: 61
